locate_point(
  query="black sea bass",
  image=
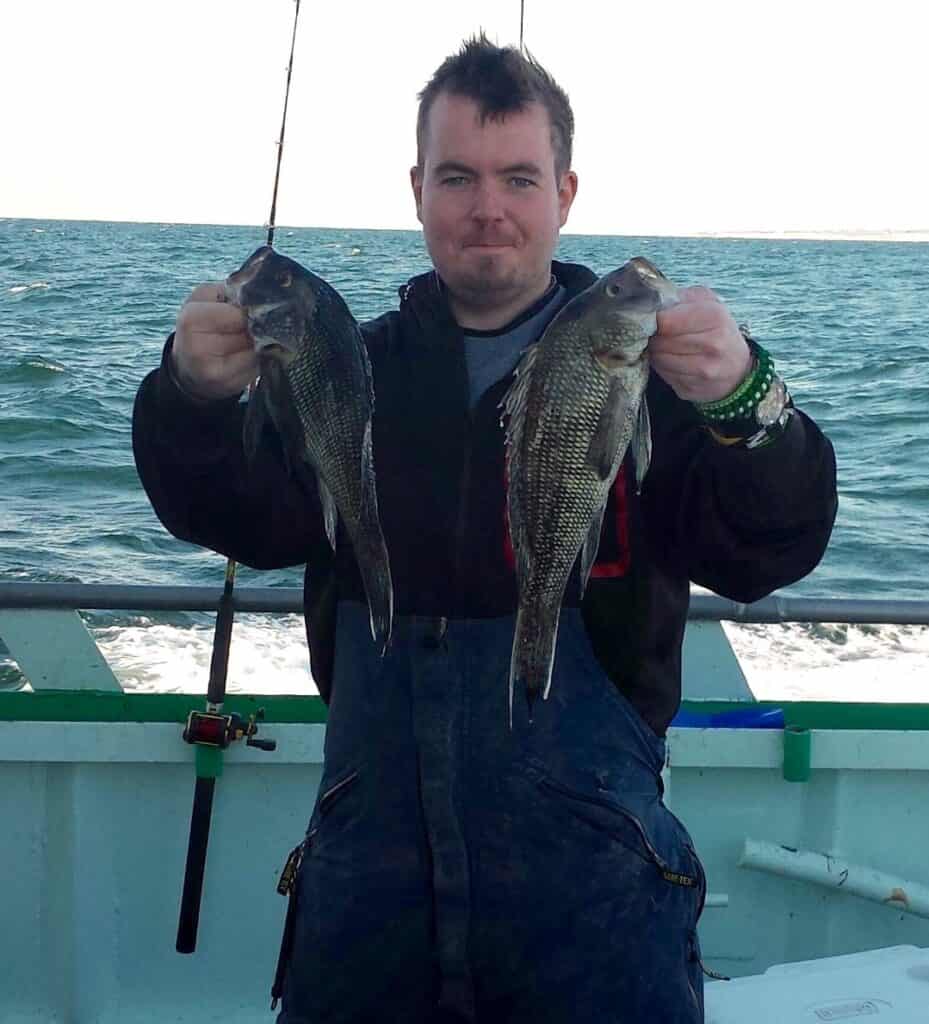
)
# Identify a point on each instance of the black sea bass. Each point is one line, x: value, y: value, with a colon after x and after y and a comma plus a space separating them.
x: 575, y: 407
x: 316, y: 387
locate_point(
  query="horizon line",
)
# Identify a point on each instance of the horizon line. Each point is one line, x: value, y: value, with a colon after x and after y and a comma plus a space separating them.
x: 787, y: 234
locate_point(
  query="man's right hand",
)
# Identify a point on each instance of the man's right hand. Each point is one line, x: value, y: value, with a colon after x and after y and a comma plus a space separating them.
x: 213, y: 355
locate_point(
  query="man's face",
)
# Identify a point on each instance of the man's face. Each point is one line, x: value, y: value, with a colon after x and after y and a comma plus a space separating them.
x: 490, y: 204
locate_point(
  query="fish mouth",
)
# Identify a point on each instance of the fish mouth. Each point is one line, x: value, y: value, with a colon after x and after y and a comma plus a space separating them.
x: 646, y: 269
x: 641, y: 287
x: 649, y: 274
x: 241, y: 278
x: 258, y: 317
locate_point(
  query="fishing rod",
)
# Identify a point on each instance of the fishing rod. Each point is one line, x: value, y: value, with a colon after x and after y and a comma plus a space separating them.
x: 280, y: 141
x: 211, y: 731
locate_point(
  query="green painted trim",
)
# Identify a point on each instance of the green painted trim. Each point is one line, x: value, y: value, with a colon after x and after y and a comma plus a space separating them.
x: 100, y: 706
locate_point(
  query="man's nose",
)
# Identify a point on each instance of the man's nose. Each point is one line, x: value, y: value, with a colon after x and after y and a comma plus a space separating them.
x: 488, y: 202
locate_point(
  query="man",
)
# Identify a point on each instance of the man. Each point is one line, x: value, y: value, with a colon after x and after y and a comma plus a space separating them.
x: 454, y: 868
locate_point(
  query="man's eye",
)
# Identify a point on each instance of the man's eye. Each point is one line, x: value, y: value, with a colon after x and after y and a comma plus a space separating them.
x: 455, y: 180
x: 522, y: 182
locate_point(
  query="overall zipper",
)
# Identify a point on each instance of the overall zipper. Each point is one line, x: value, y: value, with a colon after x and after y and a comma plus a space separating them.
x: 674, y: 877
x: 287, y: 886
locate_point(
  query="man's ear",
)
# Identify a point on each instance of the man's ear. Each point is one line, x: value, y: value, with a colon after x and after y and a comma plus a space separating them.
x: 567, y: 190
x: 416, y: 181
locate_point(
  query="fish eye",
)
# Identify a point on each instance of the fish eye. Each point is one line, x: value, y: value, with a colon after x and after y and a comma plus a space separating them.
x: 612, y: 290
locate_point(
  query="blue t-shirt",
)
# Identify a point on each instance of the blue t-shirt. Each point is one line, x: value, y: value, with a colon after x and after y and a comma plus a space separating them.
x: 491, y: 355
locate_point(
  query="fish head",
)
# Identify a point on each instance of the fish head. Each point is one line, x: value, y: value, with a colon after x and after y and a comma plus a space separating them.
x: 622, y: 311
x: 279, y: 301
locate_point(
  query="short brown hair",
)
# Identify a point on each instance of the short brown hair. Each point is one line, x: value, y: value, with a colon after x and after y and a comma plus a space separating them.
x: 500, y: 80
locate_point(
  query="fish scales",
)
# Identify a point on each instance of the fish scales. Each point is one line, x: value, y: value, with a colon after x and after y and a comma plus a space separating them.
x: 567, y: 411
x: 317, y: 388
x: 316, y: 385
x: 575, y: 407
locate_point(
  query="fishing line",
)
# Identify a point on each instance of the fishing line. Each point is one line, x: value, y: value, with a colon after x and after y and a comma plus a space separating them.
x: 220, y: 658
x: 212, y: 731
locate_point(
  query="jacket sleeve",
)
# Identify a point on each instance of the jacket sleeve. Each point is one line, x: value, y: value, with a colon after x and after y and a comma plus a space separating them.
x: 191, y: 461
x: 742, y: 523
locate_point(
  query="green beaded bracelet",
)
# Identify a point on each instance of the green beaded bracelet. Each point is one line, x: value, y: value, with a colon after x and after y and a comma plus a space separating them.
x: 762, y: 365
x: 736, y: 396
x: 741, y: 402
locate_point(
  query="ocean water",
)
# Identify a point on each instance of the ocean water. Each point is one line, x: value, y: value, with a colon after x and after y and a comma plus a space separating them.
x: 85, y: 309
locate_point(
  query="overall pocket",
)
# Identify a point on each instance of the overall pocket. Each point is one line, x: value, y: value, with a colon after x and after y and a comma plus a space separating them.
x: 631, y: 887
x: 601, y: 811
x: 648, y: 832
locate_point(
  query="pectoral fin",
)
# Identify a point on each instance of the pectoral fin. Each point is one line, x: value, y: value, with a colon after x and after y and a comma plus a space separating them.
x: 608, y: 436
x: 256, y: 414
x: 642, y: 444
x: 330, y: 512
x: 591, y: 546
x: 262, y: 408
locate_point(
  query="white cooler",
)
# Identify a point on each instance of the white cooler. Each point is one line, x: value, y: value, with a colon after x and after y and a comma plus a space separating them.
x: 888, y: 986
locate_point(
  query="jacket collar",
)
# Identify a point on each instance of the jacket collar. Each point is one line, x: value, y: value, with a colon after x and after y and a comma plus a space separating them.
x: 424, y: 298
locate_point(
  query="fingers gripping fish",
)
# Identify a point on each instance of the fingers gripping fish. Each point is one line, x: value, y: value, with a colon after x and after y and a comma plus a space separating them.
x: 316, y: 386
x: 575, y: 407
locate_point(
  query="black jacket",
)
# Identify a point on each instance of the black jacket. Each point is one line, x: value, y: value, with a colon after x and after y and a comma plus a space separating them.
x: 741, y: 523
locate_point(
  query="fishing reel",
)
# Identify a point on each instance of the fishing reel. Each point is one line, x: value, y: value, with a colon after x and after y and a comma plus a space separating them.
x: 211, y: 729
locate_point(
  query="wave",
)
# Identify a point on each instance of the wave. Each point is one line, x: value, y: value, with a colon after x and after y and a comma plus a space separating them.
x: 833, y: 661
x: 265, y: 656
x: 268, y: 655
x: 57, y: 428
x: 18, y: 289
x: 32, y: 369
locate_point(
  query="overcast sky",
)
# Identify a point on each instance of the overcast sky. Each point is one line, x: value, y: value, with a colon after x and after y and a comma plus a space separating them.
x: 690, y: 116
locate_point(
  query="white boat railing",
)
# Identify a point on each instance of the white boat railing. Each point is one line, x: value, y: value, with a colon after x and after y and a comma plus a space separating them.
x: 703, y: 607
x: 32, y: 613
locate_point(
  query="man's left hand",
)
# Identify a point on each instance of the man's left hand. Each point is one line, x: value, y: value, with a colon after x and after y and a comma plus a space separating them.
x: 698, y: 349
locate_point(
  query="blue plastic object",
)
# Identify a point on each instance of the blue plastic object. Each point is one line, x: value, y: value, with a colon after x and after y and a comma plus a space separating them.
x: 741, y: 718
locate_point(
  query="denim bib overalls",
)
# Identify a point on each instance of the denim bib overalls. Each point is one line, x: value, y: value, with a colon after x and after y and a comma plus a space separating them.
x: 455, y: 869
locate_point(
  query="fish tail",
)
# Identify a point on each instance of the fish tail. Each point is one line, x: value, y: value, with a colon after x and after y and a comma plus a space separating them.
x: 374, y: 566
x: 373, y: 560
x: 533, y: 654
